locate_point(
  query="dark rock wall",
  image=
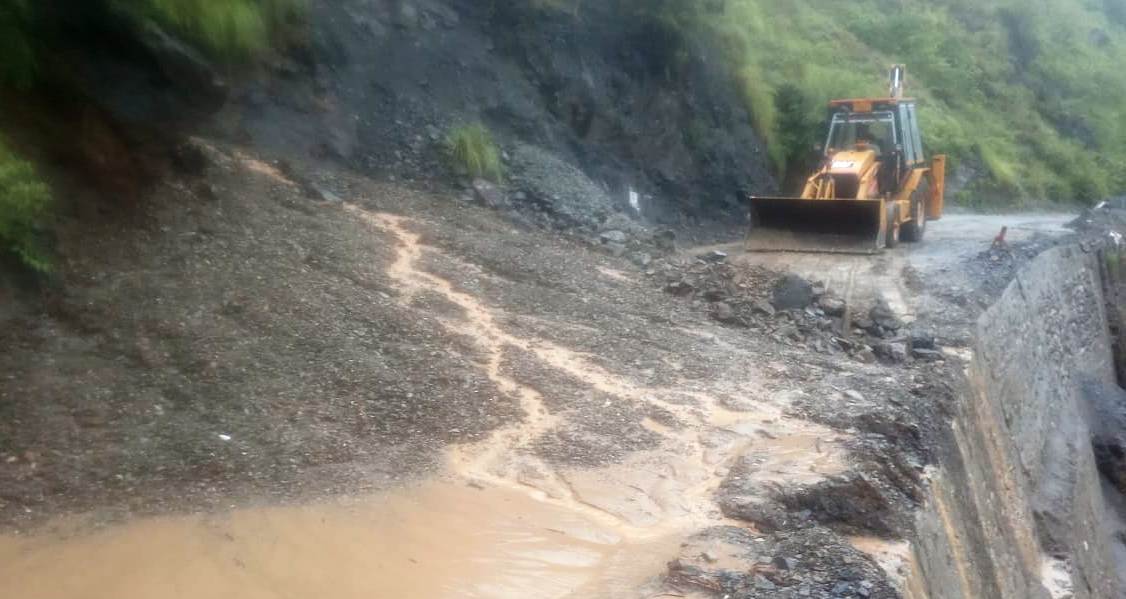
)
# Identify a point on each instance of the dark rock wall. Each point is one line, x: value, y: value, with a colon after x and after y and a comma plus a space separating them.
x: 1018, y: 509
x: 627, y: 101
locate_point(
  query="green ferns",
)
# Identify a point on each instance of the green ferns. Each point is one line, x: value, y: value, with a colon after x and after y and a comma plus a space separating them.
x: 471, y: 149
x: 25, y: 209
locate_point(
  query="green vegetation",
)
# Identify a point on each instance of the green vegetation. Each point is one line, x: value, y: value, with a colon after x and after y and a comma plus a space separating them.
x: 25, y: 208
x: 1022, y: 95
x: 471, y: 148
x: 1024, y: 92
x: 229, y: 29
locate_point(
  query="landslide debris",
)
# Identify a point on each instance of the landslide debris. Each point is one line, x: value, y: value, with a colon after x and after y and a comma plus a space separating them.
x: 792, y: 310
x: 813, y: 562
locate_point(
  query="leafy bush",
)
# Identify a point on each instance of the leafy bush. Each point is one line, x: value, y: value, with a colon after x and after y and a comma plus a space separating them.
x: 25, y: 207
x: 471, y: 148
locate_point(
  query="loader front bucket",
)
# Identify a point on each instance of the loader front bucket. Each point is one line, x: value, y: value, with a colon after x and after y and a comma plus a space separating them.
x: 820, y: 226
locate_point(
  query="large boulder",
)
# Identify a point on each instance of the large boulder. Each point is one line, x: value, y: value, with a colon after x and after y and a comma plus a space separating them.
x: 792, y: 292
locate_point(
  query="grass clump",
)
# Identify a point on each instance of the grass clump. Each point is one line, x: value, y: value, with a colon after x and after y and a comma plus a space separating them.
x: 471, y: 149
x: 25, y: 208
x: 228, y: 29
x: 225, y: 30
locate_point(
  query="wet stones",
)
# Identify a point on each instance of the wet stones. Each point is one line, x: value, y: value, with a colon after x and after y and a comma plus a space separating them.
x: 641, y: 259
x: 665, y: 241
x: 831, y: 305
x: 795, y: 311
x: 680, y: 288
x: 812, y: 562
x: 792, y: 292
x: 613, y: 236
x: 922, y: 340
x: 763, y: 307
x: 715, y: 256
x: 927, y: 355
x: 724, y: 313
x: 882, y: 316
x: 895, y: 353
x: 766, y: 515
x: 488, y: 194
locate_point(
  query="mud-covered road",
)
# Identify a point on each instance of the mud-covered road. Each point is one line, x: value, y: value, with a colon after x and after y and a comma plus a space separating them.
x: 943, y: 260
x: 562, y: 427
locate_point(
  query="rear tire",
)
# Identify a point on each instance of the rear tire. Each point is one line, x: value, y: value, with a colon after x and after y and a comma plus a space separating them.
x: 916, y: 229
x: 891, y: 236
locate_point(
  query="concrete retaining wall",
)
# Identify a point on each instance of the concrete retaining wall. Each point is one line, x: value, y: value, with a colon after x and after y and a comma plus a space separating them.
x: 1017, y: 510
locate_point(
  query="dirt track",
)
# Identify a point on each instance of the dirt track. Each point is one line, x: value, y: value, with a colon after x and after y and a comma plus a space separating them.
x: 557, y: 383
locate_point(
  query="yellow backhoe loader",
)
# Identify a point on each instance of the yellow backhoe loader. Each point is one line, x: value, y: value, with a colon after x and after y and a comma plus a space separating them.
x: 874, y: 186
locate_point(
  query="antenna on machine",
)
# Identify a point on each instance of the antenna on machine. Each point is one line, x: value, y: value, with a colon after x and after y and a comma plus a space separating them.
x: 898, y: 81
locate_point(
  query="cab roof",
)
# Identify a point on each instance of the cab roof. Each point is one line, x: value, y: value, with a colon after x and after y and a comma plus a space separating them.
x: 868, y: 104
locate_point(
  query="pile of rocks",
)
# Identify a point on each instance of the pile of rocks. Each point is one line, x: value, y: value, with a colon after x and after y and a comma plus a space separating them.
x: 620, y: 235
x: 813, y: 562
x: 545, y: 191
x: 793, y: 310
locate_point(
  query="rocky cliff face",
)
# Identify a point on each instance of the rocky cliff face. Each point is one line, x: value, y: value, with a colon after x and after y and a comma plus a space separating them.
x: 1018, y: 508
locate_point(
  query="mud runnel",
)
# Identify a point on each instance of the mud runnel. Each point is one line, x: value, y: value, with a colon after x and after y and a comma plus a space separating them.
x: 505, y: 458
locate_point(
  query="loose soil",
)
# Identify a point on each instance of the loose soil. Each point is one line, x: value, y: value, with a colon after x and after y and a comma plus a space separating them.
x: 219, y: 375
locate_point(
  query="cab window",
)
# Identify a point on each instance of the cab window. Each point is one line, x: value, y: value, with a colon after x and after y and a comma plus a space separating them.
x: 875, y: 131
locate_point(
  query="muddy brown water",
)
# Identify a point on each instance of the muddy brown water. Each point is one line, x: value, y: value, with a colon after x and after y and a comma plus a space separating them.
x: 439, y: 540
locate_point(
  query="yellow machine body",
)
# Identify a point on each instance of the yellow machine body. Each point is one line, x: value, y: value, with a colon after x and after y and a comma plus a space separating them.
x: 873, y: 187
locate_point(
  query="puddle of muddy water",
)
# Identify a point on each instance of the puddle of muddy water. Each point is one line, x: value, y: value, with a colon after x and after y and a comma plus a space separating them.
x: 437, y: 541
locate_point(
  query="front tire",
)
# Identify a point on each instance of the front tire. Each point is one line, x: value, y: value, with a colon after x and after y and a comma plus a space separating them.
x: 915, y: 230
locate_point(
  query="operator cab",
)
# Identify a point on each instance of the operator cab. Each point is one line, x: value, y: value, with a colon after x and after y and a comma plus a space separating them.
x: 887, y: 126
x: 861, y: 131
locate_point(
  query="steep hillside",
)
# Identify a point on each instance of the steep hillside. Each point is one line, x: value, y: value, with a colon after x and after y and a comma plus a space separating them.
x: 685, y: 102
x: 585, y: 109
x: 1022, y: 94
